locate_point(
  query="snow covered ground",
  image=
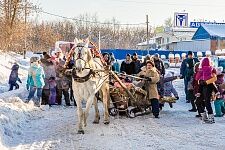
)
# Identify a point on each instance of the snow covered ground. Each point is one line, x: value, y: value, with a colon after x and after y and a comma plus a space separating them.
x: 55, y: 128
x: 25, y: 127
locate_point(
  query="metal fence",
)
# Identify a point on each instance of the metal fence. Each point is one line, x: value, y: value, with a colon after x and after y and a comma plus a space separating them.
x: 121, y: 53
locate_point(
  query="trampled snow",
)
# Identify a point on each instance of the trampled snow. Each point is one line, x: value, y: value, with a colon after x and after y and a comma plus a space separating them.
x: 25, y: 127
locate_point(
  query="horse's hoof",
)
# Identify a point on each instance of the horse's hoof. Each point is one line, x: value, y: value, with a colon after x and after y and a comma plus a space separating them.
x: 80, y: 132
x: 95, y: 122
x: 106, y: 122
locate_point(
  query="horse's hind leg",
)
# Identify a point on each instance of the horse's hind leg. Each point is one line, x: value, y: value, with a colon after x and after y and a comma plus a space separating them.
x: 105, y: 95
x: 97, y: 117
x: 88, y: 106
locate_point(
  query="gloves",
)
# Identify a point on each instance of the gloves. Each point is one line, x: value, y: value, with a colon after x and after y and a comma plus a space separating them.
x: 181, y: 77
x: 202, y: 82
x: 177, y: 97
x: 148, y: 79
x: 27, y: 86
x: 142, y: 76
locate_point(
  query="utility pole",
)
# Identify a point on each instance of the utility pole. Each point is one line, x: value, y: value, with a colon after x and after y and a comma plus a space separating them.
x: 25, y: 38
x: 99, y: 40
x: 114, y: 32
x: 147, y: 33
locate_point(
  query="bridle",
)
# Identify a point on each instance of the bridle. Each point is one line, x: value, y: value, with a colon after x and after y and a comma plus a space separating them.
x: 79, y: 57
x: 74, y: 71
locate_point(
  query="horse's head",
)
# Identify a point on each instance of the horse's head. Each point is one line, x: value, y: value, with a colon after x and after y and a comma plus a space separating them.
x: 82, y: 55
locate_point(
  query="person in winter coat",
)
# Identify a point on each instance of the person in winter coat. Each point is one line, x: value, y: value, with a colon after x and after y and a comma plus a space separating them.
x: 147, y: 57
x: 14, y: 77
x: 62, y: 81
x: 50, y: 75
x: 116, y: 66
x: 159, y: 64
x: 137, y: 63
x: 127, y: 65
x: 187, y: 71
x: 107, y: 58
x: 197, y: 101
x: 207, y: 87
x: 169, y: 89
x: 219, y: 102
x: 161, y: 69
x: 70, y: 66
x: 35, y: 81
x: 151, y: 73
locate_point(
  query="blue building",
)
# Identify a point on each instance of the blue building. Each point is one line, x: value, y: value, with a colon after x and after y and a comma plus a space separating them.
x: 215, y: 33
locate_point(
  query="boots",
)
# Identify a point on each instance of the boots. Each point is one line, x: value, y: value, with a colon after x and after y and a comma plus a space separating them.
x: 204, y: 117
x: 211, y: 119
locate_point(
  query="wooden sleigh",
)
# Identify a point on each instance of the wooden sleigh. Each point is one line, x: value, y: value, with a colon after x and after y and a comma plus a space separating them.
x: 129, y: 100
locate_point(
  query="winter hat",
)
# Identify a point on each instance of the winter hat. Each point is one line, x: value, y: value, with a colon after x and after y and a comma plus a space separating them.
x: 151, y: 62
x: 128, y: 55
x: 15, y: 66
x: 34, y: 59
x: 205, y: 62
x: 148, y: 57
x: 219, y: 70
x: 156, y: 55
x: 58, y: 50
x: 190, y: 53
x: 47, y: 56
x: 135, y: 54
x: 44, y: 53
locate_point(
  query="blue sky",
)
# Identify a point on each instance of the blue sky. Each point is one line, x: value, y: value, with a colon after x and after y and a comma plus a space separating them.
x: 134, y: 11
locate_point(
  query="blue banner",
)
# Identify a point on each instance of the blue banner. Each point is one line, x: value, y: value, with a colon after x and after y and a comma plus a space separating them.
x: 198, y: 24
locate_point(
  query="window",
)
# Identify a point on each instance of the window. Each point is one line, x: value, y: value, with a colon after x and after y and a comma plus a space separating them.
x: 167, y: 40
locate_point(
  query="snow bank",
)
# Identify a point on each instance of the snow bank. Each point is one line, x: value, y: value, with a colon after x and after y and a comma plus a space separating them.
x: 14, y: 113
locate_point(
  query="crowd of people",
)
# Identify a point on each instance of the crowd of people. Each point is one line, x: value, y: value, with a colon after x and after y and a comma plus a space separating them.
x: 203, y: 83
x: 47, y: 79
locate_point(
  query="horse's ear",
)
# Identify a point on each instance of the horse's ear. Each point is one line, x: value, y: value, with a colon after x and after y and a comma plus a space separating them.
x: 86, y: 42
x: 76, y: 41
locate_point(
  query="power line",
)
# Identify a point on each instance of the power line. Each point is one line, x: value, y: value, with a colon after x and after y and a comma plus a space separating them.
x: 172, y: 4
x: 94, y: 22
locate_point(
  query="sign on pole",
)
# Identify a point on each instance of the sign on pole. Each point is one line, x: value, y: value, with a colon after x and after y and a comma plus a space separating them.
x: 180, y: 19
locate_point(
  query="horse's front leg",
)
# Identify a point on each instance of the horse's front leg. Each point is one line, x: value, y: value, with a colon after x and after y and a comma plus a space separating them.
x: 97, y: 117
x: 106, y: 105
x: 88, y: 106
x: 80, y: 116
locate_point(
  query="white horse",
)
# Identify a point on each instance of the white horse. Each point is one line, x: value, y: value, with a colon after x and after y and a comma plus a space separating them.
x: 88, y: 79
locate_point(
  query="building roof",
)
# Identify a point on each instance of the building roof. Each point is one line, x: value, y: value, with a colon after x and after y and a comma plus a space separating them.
x: 210, y: 31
